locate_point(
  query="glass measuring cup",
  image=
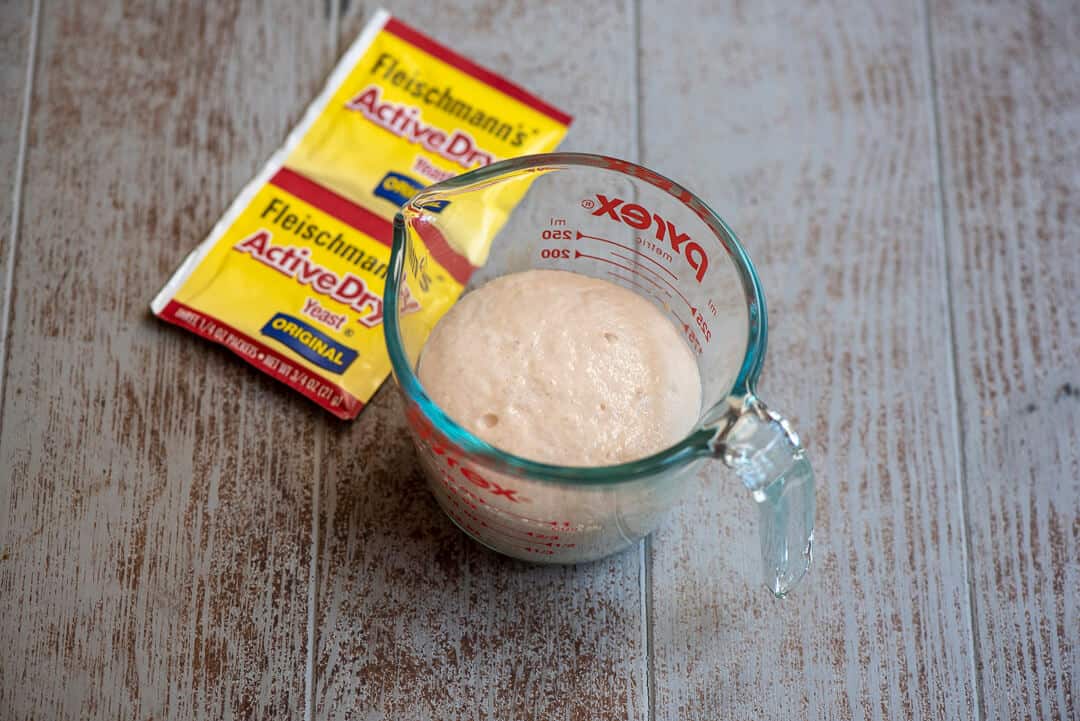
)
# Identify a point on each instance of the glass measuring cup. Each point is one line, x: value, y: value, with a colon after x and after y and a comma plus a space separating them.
x: 618, y: 221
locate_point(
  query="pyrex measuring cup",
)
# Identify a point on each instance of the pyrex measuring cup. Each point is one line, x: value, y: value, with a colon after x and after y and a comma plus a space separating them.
x: 617, y: 221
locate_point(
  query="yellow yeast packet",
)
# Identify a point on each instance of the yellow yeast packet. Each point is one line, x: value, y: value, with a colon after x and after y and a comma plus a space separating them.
x: 291, y: 278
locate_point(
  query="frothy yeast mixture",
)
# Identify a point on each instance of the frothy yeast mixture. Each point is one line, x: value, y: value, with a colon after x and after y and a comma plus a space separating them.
x: 562, y: 368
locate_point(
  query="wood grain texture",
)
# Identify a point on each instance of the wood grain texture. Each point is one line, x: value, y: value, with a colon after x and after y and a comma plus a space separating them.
x: 175, y: 528
x: 809, y: 126
x: 416, y: 621
x: 16, y: 30
x: 157, y: 493
x: 1008, y: 84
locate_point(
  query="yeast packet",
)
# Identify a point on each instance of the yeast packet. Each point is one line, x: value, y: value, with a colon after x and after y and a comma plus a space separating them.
x: 291, y: 278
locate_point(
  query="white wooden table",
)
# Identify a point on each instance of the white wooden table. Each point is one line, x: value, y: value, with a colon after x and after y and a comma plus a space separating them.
x: 182, y: 538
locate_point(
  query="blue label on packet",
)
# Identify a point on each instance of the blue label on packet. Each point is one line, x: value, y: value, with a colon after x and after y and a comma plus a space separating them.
x: 310, y: 343
x: 398, y: 189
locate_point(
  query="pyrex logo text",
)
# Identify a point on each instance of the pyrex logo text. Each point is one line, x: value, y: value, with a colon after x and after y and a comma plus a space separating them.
x: 637, y: 216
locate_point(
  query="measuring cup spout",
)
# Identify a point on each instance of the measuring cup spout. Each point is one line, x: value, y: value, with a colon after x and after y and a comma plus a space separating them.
x: 761, y: 447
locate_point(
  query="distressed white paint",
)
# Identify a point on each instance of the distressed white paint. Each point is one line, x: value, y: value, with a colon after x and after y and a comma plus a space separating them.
x: 1008, y: 85
x: 809, y: 126
x: 180, y: 537
x: 156, y: 495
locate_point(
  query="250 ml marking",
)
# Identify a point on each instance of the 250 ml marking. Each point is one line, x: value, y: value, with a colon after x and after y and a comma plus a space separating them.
x: 639, y: 270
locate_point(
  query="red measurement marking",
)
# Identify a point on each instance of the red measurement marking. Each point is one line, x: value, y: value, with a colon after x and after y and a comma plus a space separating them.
x: 456, y: 493
x: 693, y: 310
x: 491, y: 517
x: 633, y: 282
x: 579, y: 254
x: 453, y: 485
x: 690, y: 334
x: 461, y: 522
x: 581, y: 235
x: 647, y: 291
x: 495, y: 529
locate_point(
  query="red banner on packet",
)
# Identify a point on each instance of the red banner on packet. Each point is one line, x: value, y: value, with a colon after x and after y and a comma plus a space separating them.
x: 291, y: 278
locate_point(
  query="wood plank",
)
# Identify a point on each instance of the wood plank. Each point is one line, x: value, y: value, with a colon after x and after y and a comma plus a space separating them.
x: 16, y: 29
x: 810, y: 127
x: 415, y: 620
x: 1008, y: 82
x: 157, y: 493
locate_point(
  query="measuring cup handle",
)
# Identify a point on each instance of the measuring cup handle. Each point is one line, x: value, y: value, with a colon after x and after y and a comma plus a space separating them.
x: 761, y: 447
